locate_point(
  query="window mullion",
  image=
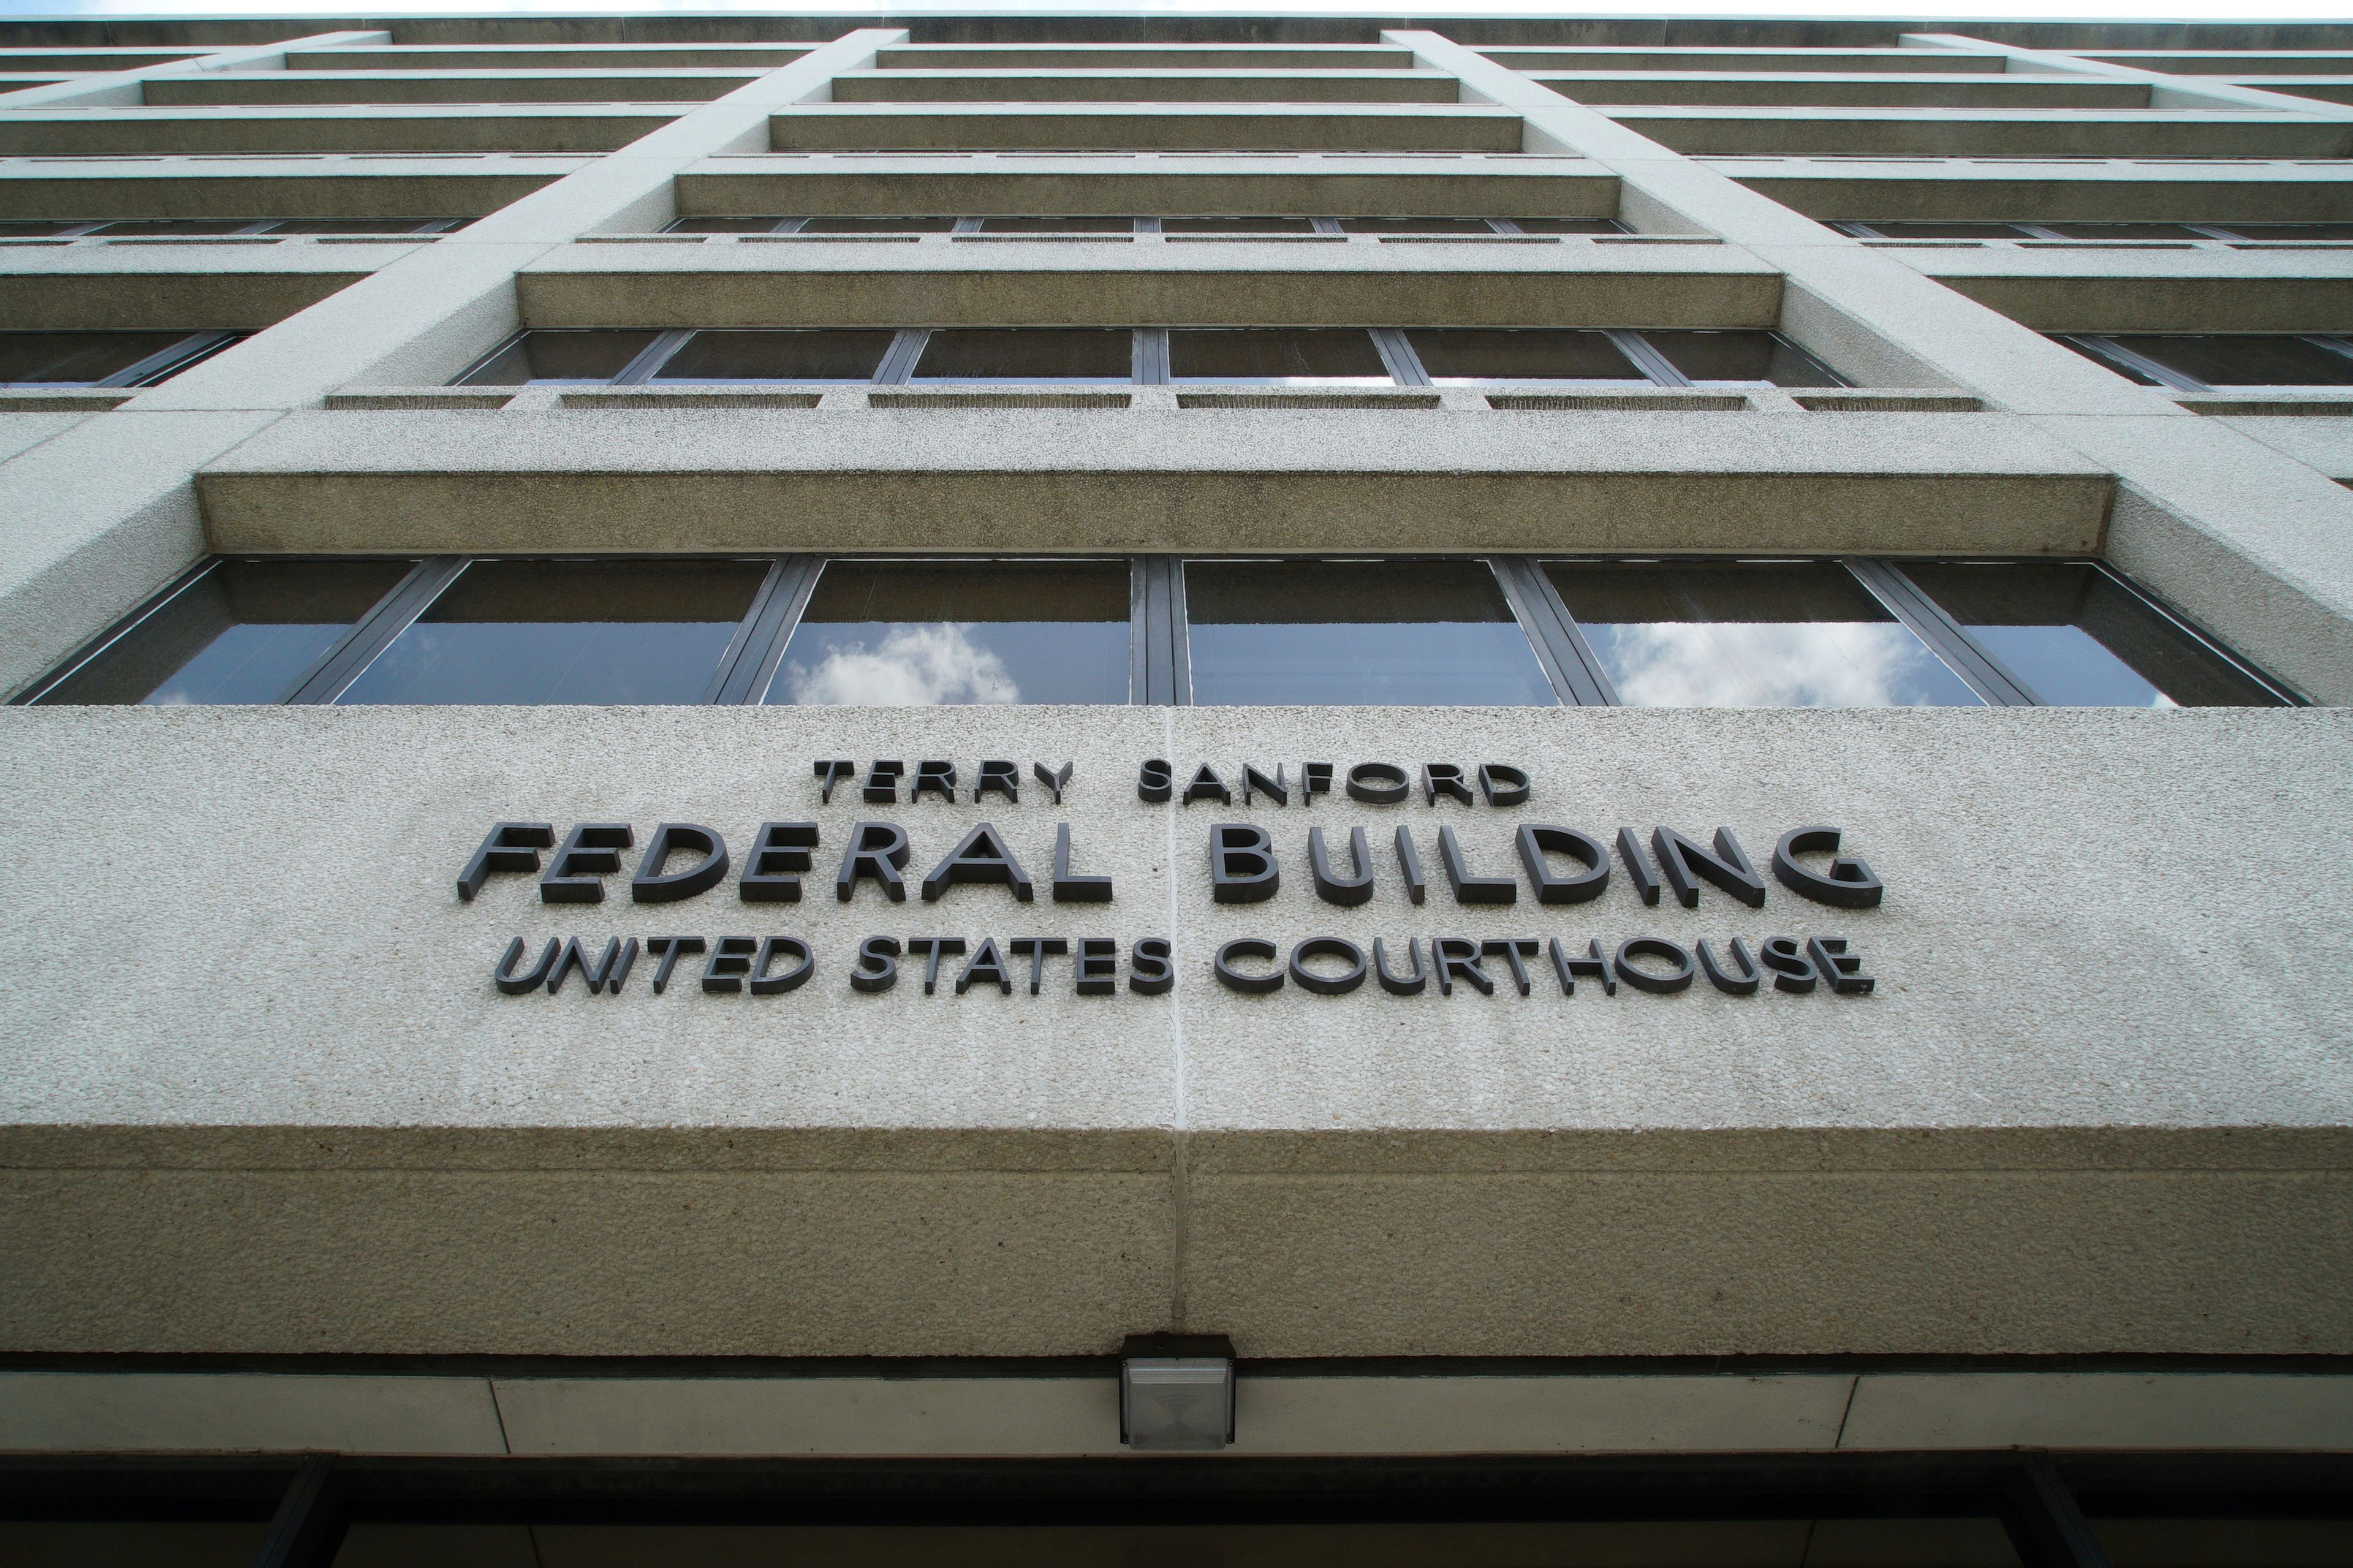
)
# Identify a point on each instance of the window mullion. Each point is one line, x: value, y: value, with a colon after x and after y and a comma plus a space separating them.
x: 1180, y: 642
x: 2117, y: 353
x: 651, y: 358
x: 743, y: 675
x: 392, y: 615
x: 1396, y: 352
x: 898, y: 362
x: 1947, y: 637
x: 1150, y: 356
x: 1647, y: 360
x: 187, y: 348
x: 114, y: 634
x: 1576, y: 675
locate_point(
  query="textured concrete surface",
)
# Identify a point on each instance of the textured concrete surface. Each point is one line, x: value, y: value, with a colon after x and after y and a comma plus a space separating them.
x: 2098, y: 1102
x: 2190, y: 190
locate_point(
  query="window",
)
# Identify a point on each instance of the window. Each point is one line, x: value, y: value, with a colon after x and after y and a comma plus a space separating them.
x: 1057, y: 225
x: 1295, y: 356
x: 2070, y: 634
x: 1028, y: 354
x: 1796, y: 633
x: 1416, y: 226
x: 1506, y: 631
x: 103, y: 359
x: 2205, y: 362
x: 1271, y: 223
x: 1740, y: 359
x: 925, y: 633
x: 1924, y: 229
x: 241, y: 631
x: 794, y: 354
x: 1237, y: 225
x: 568, y: 632
x: 1356, y: 633
x: 2277, y: 231
x: 559, y: 357
x: 1453, y: 355
x: 2144, y: 229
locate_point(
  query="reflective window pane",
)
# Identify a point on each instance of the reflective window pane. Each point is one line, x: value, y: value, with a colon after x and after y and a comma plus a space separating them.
x: 1277, y: 356
x: 2124, y: 231
x: 2290, y: 230
x: 877, y: 226
x: 2244, y: 359
x: 567, y: 631
x: 1028, y: 353
x: 1569, y: 225
x: 1237, y: 226
x: 1800, y: 634
x: 1915, y: 228
x: 1416, y: 225
x: 247, y: 631
x: 1057, y: 225
x: 169, y: 225
x: 795, y: 354
x: 700, y: 224
x: 922, y: 634
x: 74, y: 358
x: 2077, y: 637
x: 560, y: 356
x: 353, y: 225
x: 1741, y: 359
x: 32, y: 228
x: 1357, y: 634
x: 1520, y: 353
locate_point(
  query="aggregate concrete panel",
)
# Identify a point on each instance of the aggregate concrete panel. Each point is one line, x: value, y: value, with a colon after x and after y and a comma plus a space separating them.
x: 2190, y: 191
x: 597, y: 85
x: 1179, y: 127
x: 1115, y: 283
x: 86, y: 1413
x: 2318, y: 441
x: 1204, y: 56
x: 1862, y: 90
x: 2089, y: 1159
x: 1315, y: 184
x: 1076, y: 480
x: 1622, y: 58
x: 456, y: 184
x: 760, y: 1417
x: 281, y: 128
x: 1142, y: 85
x: 535, y: 57
x: 2101, y: 1410
x: 2118, y: 289
x: 1700, y: 130
x: 21, y: 432
x: 238, y: 287
x: 1492, y: 1415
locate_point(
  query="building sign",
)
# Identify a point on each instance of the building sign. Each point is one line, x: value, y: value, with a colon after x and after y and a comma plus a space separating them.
x: 1553, y: 863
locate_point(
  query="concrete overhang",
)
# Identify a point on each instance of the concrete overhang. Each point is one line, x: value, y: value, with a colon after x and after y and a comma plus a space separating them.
x: 1324, y: 185
x: 162, y: 287
x: 1151, y: 480
x: 937, y: 281
x: 2056, y: 191
x: 1700, y: 129
x: 304, y: 128
x: 449, y: 184
x: 389, y: 84
x: 1142, y: 57
x: 2069, y: 289
x: 1855, y: 91
x: 1129, y: 84
x: 1619, y: 57
x: 1175, y: 127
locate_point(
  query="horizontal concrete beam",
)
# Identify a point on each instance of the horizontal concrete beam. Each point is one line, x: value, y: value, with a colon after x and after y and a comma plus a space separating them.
x: 284, y: 128
x: 543, y: 56
x: 1637, y: 58
x: 1136, y: 479
x: 1699, y: 130
x: 1328, y: 185
x: 1116, y: 284
x: 1176, y: 127
x: 2153, y: 291
x: 1143, y: 57
x: 103, y: 288
x: 591, y: 85
x: 1980, y: 91
x: 2190, y: 192
x: 365, y: 185
x: 1143, y: 85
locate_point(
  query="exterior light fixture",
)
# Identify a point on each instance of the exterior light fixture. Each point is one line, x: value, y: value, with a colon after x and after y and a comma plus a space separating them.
x: 1176, y: 1393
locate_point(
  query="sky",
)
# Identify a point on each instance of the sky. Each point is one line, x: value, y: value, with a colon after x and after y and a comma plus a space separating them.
x: 2257, y: 12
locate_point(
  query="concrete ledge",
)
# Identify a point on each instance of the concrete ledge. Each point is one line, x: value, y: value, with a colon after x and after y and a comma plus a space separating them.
x: 1003, y: 398
x: 465, y: 186
x: 174, y: 293
x: 1259, y: 127
x: 2101, y: 1410
x: 2309, y: 405
x: 1364, y: 399
x: 1256, y: 478
x: 1890, y: 401
x: 685, y: 397
x: 1700, y: 130
x: 1664, y: 401
x: 420, y: 397
x: 64, y: 400
x: 283, y: 127
x: 232, y: 1411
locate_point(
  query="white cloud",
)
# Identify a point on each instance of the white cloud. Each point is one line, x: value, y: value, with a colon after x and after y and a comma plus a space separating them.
x: 1824, y: 664
x: 915, y: 667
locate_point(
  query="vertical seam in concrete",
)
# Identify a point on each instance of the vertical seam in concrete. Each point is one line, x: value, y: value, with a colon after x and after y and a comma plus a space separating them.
x: 1845, y: 1411
x: 1178, y: 1179
x: 506, y: 1444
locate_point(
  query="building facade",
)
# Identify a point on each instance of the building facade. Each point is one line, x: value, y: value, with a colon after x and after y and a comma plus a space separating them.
x: 1230, y: 790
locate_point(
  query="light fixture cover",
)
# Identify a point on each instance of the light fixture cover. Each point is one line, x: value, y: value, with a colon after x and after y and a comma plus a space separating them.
x: 1176, y: 1404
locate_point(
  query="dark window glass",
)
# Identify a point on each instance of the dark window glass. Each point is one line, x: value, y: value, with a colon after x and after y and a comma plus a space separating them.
x: 1569, y: 225
x: 1028, y: 353
x: 1237, y: 226
x: 1914, y: 228
x: 1278, y: 356
x: 353, y: 225
x: 1416, y: 225
x: 799, y: 355
x: 2124, y: 231
x: 877, y: 226
x: 1520, y: 354
x: 2077, y: 637
x: 175, y: 226
x: 246, y: 631
x: 1742, y: 358
x: 24, y: 229
x: 560, y: 356
x: 1800, y: 634
x: 1057, y: 225
x: 722, y: 225
x: 2244, y: 359
x: 2130, y: 373
x: 2290, y: 230
x: 567, y: 631
x: 1357, y: 634
x: 919, y: 634
x: 76, y: 359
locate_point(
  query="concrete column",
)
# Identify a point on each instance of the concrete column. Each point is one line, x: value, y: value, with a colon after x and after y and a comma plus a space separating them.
x: 126, y: 90
x: 2245, y: 539
x: 102, y: 514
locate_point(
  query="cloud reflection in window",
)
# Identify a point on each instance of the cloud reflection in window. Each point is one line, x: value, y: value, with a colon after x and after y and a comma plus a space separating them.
x: 1816, y: 664
x: 914, y: 665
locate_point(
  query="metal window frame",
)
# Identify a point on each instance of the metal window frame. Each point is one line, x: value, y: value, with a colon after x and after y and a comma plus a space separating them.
x: 375, y: 631
x: 2106, y: 348
x: 116, y: 631
x: 1560, y: 647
